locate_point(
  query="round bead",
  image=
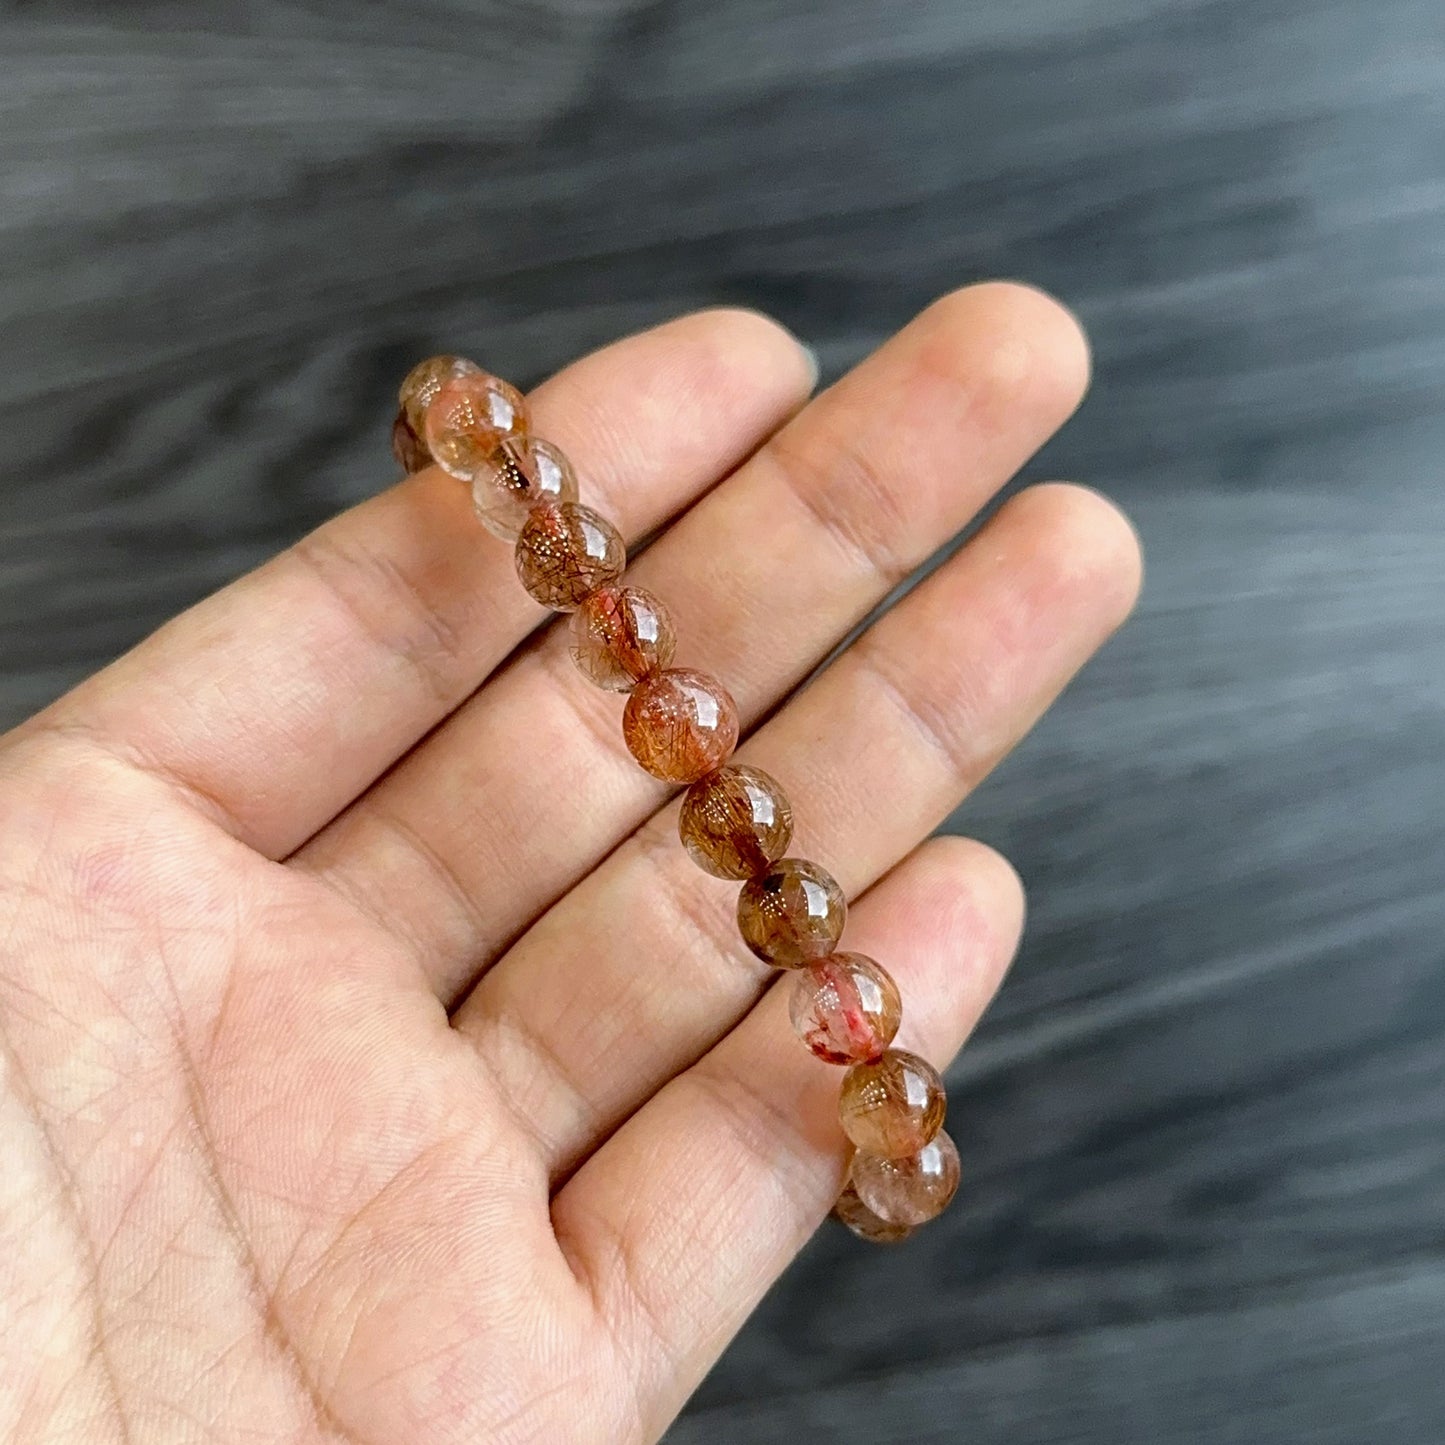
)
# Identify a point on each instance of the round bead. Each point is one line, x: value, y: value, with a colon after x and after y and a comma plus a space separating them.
x: 566, y: 552
x: 523, y: 473
x: 893, y: 1105
x: 424, y: 380
x: 468, y: 419
x: 680, y: 724
x: 851, y: 1211
x: 619, y: 635
x: 407, y: 447
x: 736, y: 822
x: 845, y: 1008
x: 912, y: 1190
x: 791, y: 914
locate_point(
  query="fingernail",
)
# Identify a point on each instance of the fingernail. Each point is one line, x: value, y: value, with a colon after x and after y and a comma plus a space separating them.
x: 812, y: 362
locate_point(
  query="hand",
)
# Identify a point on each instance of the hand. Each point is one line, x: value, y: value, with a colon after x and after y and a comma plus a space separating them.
x: 376, y: 1065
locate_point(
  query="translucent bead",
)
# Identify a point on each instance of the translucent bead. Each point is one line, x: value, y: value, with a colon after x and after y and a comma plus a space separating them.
x: 468, y: 419
x: 851, y: 1211
x: 911, y: 1190
x: 424, y: 380
x: 893, y: 1105
x: 680, y: 724
x: 619, y: 635
x: 523, y: 473
x: 791, y: 914
x: 736, y: 822
x: 407, y: 447
x: 566, y: 552
x: 845, y: 1008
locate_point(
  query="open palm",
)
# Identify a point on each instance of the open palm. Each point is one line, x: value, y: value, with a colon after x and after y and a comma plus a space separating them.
x: 376, y: 1066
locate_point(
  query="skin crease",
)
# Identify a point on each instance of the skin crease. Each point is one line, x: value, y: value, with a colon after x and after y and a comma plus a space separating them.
x: 312, y: 1127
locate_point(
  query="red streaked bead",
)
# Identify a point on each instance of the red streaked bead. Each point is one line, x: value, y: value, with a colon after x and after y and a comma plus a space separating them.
x: 845, y: 1008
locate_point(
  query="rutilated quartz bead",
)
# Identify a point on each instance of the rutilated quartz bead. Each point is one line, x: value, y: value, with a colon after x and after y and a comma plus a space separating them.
x: 419, y: 387
x: 619, y: 635
x: 792, y: 913
x: 845, y: 1008
x: 680, y: 724
x: 566, y: 552
x: 521, y: 474
x: 425, y: 379
x: 407, y: 447
x: 851, y: 1210
x: 468, y: 419
x: 736, y: 822
x: 910, y: 1190
x: 893, y: 1105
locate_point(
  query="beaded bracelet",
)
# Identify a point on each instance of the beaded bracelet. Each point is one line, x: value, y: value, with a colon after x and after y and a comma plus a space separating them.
x: 736, y: 823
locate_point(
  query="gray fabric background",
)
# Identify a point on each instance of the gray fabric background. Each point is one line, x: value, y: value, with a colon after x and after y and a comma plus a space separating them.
x: 1203, y: 1125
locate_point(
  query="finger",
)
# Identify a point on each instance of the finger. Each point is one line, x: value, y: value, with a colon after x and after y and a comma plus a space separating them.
x: 275, y: 702
x: 873, y: 756
x: 763, y: 577
x: 682, y: 1221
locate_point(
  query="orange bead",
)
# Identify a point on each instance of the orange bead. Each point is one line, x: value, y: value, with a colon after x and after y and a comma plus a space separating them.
x: 680, y: 724
x: 418, y: 390
x: 892, y: 1105
x: 619, y: 635
x: 910, y: 1190
x: 567, y: 552
x: 523, y: 473
x: 468, y: 419
x: 407, y: 447
x: 845, y: 1008
x: 792, y: 913
x: 424, y: 380
x: 851, y: 1211
x: 736, y: 822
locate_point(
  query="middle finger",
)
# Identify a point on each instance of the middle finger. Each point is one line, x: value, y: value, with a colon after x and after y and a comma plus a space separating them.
x: 522, y: 791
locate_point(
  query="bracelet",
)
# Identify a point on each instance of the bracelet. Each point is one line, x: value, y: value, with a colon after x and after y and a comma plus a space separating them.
x: 736, y: 823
